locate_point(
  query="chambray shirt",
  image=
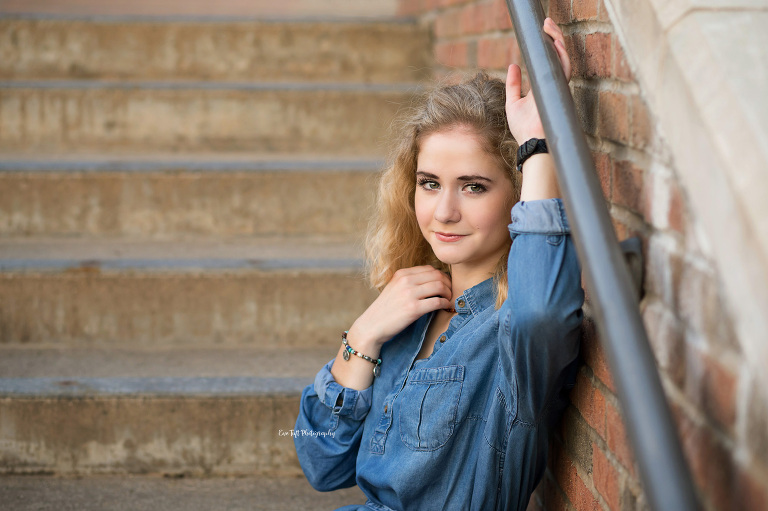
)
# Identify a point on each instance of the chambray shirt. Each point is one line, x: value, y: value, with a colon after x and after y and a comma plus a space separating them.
x: 467, y: 427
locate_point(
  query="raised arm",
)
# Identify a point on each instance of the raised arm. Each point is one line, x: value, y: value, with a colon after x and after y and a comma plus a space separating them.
x: 541, y: 318
x: 539, y: 178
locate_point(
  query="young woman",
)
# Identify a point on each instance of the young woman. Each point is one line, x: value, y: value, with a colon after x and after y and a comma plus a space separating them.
x: 472, y: 345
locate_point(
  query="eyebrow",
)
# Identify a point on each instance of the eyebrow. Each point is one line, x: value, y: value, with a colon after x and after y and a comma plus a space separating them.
x: 473, y: 177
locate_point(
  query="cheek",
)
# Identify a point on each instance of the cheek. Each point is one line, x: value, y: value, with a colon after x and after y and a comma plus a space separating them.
x: 423, y: 210
x: 495, y: 218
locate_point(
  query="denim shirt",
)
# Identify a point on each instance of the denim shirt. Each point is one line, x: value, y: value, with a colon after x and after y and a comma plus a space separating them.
x: 467, y: 427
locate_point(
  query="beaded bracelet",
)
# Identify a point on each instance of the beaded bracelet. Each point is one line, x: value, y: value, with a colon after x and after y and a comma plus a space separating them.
x: 348, y: 350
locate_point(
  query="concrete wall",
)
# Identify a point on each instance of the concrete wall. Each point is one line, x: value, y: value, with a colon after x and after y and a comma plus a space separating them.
x: 672, y: 101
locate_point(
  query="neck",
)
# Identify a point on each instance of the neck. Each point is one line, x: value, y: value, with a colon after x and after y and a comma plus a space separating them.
x: 463, y: 278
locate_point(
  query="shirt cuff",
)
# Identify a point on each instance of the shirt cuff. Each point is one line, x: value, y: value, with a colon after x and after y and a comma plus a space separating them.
x: 356, y: 403
x: 546, y: 216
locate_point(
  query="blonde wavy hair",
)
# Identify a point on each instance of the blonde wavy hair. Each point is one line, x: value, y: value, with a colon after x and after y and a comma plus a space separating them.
x: 394, y: 240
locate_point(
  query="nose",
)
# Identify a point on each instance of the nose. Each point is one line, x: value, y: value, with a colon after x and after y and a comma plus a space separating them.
x: 447, y: 209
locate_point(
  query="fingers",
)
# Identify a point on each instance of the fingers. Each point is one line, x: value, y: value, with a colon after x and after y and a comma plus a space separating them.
x: 433, y: 289
x: 553, y: 31
x: 433, y: 304
x: 514, y: 82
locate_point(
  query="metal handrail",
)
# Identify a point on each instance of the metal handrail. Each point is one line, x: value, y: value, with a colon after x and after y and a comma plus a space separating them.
x: 664, y: 472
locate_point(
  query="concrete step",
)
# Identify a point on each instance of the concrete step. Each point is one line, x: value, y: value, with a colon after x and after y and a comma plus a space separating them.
x: 295, y: 292
x: 143, y: 420
x: 63, y: 49
x: 147, y: 493
x: 166, y: 196
x: 76, y: 362
x: 237, y: 9
x: 197, y: 117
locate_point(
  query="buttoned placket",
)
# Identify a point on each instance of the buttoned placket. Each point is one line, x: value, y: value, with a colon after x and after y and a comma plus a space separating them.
x: 464, y: 313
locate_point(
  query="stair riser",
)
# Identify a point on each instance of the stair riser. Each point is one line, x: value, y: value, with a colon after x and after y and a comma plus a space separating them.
x: 171, y: 204
x: 163, y: 435
x: 338, y: 52
x: 146, y: 120
x: 288, y: 309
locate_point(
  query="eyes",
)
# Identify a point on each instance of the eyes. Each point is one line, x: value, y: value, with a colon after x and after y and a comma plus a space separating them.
x: 431, y: 185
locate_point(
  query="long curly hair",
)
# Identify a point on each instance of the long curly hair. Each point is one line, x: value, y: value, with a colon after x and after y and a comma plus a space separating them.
x: 394, y: 240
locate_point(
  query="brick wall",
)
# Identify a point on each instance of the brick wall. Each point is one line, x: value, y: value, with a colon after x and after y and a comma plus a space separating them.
x: 591, y: 463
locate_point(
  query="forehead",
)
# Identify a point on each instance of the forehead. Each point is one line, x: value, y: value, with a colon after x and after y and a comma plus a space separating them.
x: 456, y: 151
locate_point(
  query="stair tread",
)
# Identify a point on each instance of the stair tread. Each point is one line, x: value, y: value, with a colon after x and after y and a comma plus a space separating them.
x: 266, y: 252
x: 197, y: 369
x: 217, y: 161
x: 91, y: 493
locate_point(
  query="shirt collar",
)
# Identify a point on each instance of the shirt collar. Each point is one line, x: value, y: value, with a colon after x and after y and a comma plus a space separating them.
x: 476, y: 299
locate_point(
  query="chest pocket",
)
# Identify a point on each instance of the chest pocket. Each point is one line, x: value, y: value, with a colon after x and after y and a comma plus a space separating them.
x: 428, y: 406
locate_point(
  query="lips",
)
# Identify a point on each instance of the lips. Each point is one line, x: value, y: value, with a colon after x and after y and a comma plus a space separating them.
x: 448, y: 237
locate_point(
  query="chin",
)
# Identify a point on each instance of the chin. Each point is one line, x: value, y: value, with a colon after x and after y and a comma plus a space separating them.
x: 447, y: 257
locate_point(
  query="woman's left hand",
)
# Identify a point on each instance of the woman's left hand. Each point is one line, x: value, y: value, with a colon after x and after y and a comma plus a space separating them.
x: 522, y: 114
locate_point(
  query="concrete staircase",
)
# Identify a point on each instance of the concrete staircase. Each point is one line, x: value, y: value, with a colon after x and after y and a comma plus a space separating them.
x: 181, y: 203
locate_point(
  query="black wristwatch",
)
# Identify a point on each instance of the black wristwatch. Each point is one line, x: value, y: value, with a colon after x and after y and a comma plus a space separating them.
x: 528, y: 149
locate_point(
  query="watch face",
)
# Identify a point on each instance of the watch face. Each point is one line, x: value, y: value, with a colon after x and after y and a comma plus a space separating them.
x: 346, y: 355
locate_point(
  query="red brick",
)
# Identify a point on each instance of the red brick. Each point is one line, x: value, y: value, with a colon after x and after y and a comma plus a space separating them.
x: 602, y: 12
x: 584, y: 9
x: 574, y: 45
x: 712, y: 387
x: 606, y: 478
x: 750, y: 495
x: 604, y: 168
x: 560, y: 11
x: 409, y: 7
x: 641, y: 123
x: 501, y: 17
x: 598, y: 54
x: 613, y: 116
x: 621, y: 69
x: 594, y: 356
x: 586, y: 100
x: 451, y: 54
x: 590, y: 402
x: 676, y: 215
x: 627, y: 185
x: 567, y: 477
x: 579, y: 494
x: 497, y: 53
x: 616, y: 438
x: 475, y: 19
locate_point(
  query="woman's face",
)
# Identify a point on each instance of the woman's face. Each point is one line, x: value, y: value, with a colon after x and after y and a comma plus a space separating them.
x: 463, y: 198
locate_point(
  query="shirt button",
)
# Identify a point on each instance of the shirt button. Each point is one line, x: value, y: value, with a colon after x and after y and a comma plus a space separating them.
x: 462, y: 303
x: 442, y: 338
x: 385, y: 408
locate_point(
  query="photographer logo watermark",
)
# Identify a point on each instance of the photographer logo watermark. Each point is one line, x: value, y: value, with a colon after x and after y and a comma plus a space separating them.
x: 305, y: 432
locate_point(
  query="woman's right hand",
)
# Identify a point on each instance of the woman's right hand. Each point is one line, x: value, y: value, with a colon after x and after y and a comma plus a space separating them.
x: 410, y: 294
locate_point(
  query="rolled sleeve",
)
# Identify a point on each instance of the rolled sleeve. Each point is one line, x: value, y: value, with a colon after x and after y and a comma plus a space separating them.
x: 355, y: 403
x: 545, y: 216
x: 542, y: 315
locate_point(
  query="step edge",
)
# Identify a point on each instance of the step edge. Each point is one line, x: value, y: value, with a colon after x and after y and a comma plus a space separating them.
x: 192, y: 165
x: 213, y: 18
x: 132, y: 387
x: 197, y: 85
x: 151, y: 266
